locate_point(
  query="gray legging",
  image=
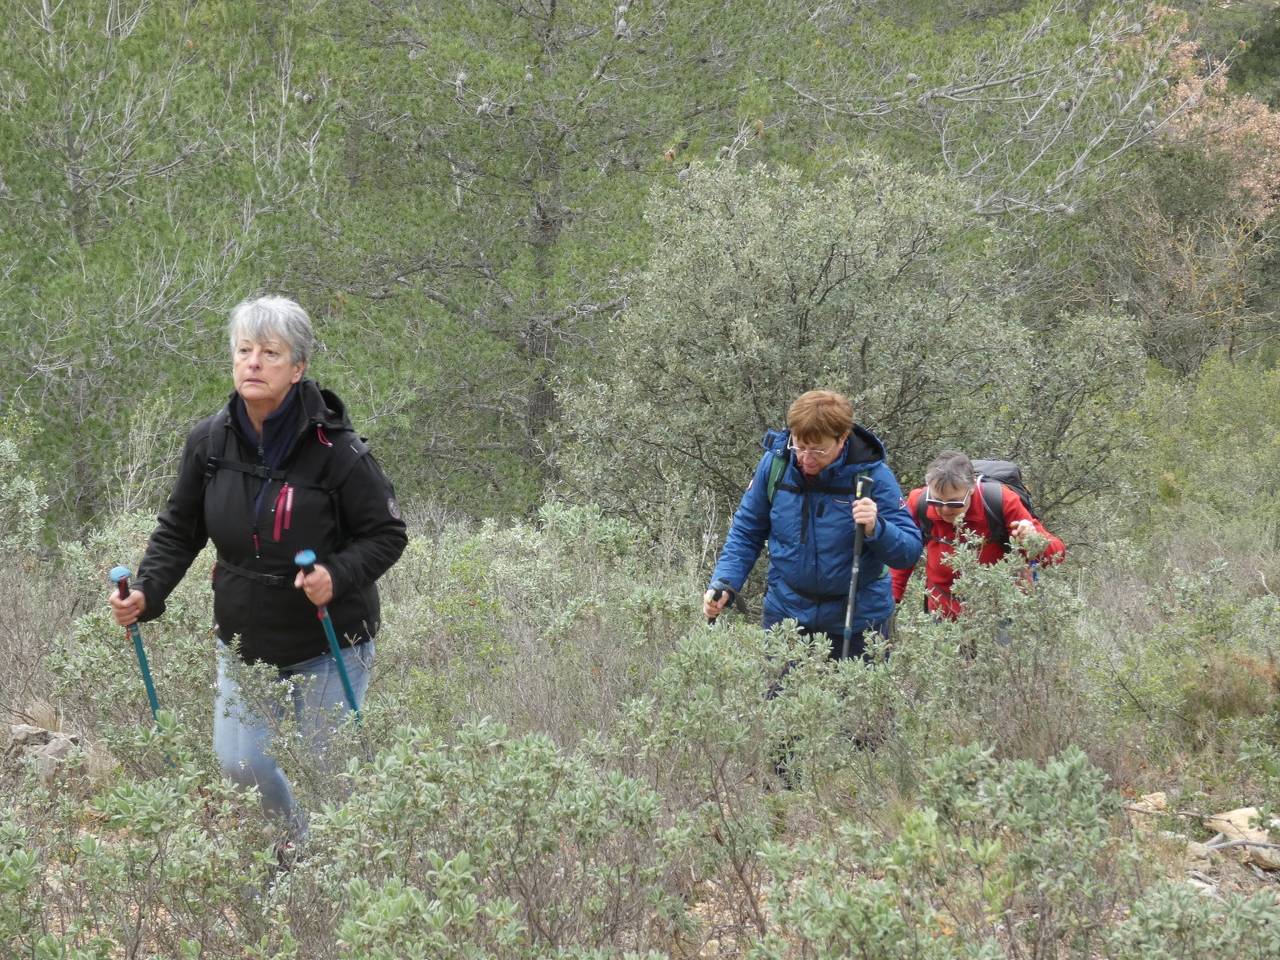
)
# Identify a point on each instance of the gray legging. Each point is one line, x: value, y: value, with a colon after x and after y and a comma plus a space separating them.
x: 242, y: 732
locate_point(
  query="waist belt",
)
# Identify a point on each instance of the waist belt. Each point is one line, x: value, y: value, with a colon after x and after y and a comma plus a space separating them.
x: 830, y: 597
x: 819, y: 597
x: 270, y: 579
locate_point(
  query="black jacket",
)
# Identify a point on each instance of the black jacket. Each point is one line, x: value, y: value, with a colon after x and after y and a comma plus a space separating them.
x: 328, y: 495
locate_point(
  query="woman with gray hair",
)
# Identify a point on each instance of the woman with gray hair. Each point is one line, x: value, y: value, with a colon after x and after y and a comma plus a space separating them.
x: 277, y: 470
x: 955, y: 505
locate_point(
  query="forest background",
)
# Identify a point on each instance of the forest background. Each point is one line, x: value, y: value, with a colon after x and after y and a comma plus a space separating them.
x: 567, y: 262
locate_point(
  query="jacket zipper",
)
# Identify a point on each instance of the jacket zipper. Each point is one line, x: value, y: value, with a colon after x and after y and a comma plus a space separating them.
x: 257, y: 541
x: 283, y: 509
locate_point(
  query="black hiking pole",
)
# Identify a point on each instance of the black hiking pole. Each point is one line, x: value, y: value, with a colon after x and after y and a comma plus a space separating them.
x: 852, y: 603
x: 306, y: 559
x: 120, y: 577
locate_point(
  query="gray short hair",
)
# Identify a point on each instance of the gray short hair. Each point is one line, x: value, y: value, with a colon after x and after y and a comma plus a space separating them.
x: 273, y: 318
x: 950, y: 468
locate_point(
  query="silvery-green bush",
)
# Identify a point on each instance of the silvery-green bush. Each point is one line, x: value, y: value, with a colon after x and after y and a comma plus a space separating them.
x: 491, y: 846
x: 546, y: 625
x: 996, y: 859
x: 878, y: 282
x: 1177, y: 922
x: 22, y: 497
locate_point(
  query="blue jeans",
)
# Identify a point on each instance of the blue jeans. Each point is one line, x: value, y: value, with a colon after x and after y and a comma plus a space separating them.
x: 242, y: 731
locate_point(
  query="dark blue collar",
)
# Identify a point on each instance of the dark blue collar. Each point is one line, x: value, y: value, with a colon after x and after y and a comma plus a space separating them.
x: 278, y: 434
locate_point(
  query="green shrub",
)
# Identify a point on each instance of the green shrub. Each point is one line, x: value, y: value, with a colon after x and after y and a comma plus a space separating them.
x: 164, y: 866
x: 997, y: 859
x: 491, y: 846
x: 22, y: 497
x: 547, y: 626
x: 1176, y: 922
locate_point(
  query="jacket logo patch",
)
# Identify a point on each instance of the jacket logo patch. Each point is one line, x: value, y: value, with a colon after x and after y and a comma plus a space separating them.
x: 393, y: 508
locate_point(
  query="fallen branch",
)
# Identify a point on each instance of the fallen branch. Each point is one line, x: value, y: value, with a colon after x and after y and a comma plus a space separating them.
x: 1242, y: 843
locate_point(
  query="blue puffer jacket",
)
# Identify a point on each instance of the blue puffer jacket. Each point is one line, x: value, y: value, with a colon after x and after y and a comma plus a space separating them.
x: 809, y: 527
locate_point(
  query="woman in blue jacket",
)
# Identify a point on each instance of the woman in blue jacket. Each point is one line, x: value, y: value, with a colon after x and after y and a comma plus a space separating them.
x: 802, y: 502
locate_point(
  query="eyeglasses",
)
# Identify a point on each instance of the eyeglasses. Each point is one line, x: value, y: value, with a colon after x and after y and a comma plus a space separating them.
x: 818, y: 452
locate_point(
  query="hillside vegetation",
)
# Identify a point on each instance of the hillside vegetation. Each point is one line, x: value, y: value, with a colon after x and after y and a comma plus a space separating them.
x: 567, y: 262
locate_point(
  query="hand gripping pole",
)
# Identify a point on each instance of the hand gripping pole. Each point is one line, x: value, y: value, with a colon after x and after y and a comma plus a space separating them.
x: 852, y: 604
x: 120, y: 577
x: 306, y: 559
x: 715, y: 595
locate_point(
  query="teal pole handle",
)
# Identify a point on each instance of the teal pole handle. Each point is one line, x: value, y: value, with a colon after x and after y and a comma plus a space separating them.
x: 306, y: 559
x: 120, y: 577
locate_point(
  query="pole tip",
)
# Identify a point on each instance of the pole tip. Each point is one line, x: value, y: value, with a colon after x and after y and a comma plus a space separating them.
x: 118, y: 573
x: 304, y: 558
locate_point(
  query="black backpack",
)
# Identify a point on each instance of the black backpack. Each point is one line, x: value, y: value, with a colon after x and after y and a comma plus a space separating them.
x: 992, y: 476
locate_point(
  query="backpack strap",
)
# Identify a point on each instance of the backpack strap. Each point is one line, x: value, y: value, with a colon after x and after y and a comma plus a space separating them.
x: 348, y: 450
x: 212, y: 463
x: 993, y: 504
x: 776, y: 468
x: 777, y: 465
x: 922, y: 516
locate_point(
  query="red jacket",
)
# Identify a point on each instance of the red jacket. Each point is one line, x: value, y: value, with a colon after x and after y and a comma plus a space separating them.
x: 939, y: 577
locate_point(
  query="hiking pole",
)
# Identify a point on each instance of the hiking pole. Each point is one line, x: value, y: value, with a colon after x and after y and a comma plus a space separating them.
x: 120, y: 577
x: 306, y: 559
x: 852, y: 603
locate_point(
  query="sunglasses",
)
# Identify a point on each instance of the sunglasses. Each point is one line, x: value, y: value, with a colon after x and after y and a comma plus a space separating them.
x: 946, y: 504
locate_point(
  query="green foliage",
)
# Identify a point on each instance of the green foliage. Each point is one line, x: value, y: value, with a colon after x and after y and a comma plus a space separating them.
x: 22, y: 497
x: 877, y: 283
x: 1247, y: 35
x: 1254, y: 70
x: 1033, y: 105
x: 630, y: 801
x: 570, y: 612
x: 1195, y: 467
x: 163, y: 866
x: 146, y: 149
x: 518, y: 849
x: 458, y: 195
x: 993, y: 853
x: 97, y: 680
x: 1178, y: 922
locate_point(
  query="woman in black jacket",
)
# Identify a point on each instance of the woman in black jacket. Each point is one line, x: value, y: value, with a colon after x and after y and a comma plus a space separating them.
x: 278, y: 470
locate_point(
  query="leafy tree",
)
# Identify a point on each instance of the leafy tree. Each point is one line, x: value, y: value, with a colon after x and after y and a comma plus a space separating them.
x: 494, y: 162
x: 1187, y: 244
x: 1256, y: 70
x: 1032, y: 105
x: 878, y: 283
x: 146, y: 149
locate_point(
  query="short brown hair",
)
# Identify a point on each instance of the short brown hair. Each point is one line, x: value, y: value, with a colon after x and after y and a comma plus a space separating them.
x: 818, y: 414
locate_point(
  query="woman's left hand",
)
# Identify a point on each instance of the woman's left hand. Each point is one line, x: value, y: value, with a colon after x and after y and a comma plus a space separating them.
x: 317, y: 584
x: 864, y: 514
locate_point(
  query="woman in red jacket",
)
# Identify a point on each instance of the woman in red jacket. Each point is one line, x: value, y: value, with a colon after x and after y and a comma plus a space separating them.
x: 956, y: 512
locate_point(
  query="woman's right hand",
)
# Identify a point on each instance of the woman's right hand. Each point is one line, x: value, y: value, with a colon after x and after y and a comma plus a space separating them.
x: 129, y: 609
x: 711, y: 607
